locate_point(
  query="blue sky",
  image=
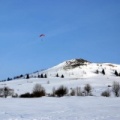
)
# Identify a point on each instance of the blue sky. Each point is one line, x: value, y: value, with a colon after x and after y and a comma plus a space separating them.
x: 88, y: 29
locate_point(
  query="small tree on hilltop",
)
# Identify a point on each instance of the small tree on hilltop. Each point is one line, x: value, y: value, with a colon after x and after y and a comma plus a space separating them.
x: 45, y: 76
x: 57, y: 75
x: 41, y: 76
x: 103, y: 72
x: 27, y: 76
x: 62, y: 76
x: 9, y: 79
x: 116, y: 73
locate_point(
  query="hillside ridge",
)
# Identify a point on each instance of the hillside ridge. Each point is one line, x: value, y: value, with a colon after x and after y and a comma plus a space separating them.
x: 79, y: 68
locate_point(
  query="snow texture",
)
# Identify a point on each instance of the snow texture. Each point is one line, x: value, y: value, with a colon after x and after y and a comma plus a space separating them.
x: 77, y: 74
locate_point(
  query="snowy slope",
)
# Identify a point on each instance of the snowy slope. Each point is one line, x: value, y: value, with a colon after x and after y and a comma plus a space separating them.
x: 99, y: 83
x: 79, y: 68
x: 65, y: 108
x: 77, y: 74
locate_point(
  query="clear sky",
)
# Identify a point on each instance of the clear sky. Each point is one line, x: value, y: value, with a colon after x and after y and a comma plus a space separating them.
x: 88, y: 29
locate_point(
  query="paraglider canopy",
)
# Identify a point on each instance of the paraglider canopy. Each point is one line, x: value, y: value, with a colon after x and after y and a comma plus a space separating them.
x: 42, y: 35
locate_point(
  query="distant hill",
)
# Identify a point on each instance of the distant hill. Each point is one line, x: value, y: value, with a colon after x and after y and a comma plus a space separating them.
x: 79, y: 68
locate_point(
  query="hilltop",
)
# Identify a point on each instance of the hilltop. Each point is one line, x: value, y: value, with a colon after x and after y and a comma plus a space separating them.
x: 79, y: 68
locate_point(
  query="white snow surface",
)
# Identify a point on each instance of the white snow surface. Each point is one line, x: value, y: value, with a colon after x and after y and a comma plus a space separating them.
x: 81, y: 70
x: 93, y: 107
x: 66, y: 108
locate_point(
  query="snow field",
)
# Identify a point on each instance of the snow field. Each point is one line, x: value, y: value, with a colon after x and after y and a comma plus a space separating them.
x: 65, y: 108
x: 93, y: 107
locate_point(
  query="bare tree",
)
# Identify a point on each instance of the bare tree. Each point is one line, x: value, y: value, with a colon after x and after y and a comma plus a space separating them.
x: 116, y: 89
x: 78, y: 91
x: 4, y: 92
x: 1, y: 92
x: 87, y: 89
x: 72, y: 92
x: 53, y: 92
x: 38, y: 91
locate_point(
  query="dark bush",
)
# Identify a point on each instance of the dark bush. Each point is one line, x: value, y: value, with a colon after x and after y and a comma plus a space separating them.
x: 41, y: 76
x: 57, y: 75
x: 38, y: 91
x: 27, y: 76
x: 109, y: 86
x: 45, y: 76
x: 116, y: 73
x: 106, y: 93
x: 26, y: 95
x: 9, y: 79
x: 103, y: 72
x: 62, y: 76
x: 61, y: 91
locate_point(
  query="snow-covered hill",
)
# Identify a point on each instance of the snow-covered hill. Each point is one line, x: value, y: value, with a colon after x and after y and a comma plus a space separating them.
x: 77, y: 73
x: 79, y: 68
